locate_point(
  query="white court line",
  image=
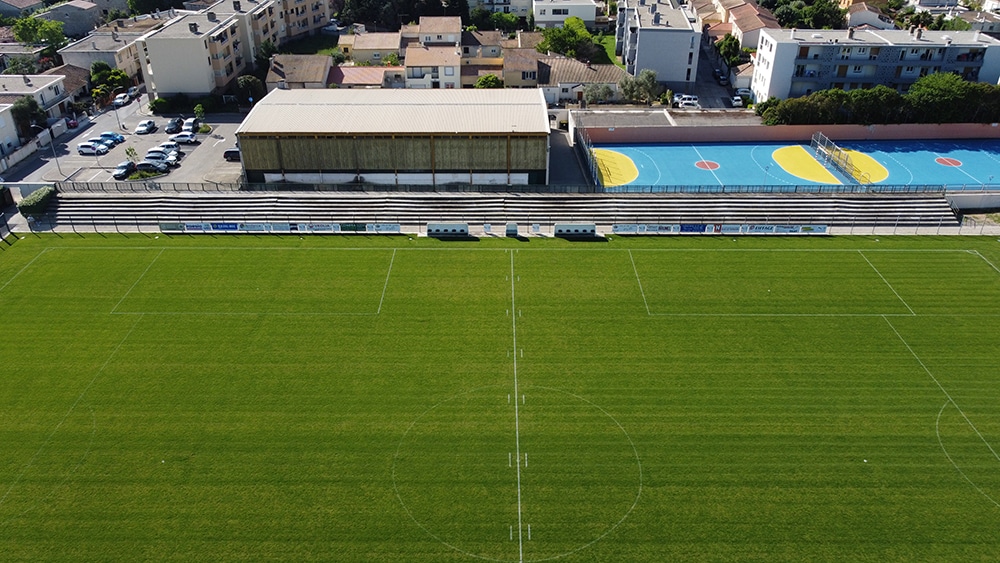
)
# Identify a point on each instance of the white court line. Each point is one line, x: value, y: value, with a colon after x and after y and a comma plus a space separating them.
x: 153, y: 261
x: 70, y: 411
x: 19, y: 272
x: 937, y: 430
x: 959, y: 168
x: 992, y: 265
x: 712, y: 171
x: 943, y: 390
x: 391, y: 260
x: 517, y: 428
x: 638, y: 281
x: 886, y: 282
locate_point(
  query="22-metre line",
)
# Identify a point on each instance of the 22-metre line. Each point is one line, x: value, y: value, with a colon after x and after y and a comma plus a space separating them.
x: 517, y: 429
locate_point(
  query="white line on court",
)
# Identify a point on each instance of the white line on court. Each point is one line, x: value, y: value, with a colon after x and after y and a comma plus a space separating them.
x: 70, y: 411
x: 941, y: 387
x: 644, y: 302
x: 937, y: 430
x: 391, y: 260
x: 517, y: 429
x: 992, y: 265
x: 889, y: 285
x: 19, y: 272
x: 142, y: 275
x: 959, y: 168
x: 710, y: 170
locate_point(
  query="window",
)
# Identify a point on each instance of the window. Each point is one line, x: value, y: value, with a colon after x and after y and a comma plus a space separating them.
x: 528, y: 75
x: 449, y: 71
x: 541, y: 12
x: 376, y: 55
x: 856, y: 69
x: 465, y: 50
x: 560, y: 11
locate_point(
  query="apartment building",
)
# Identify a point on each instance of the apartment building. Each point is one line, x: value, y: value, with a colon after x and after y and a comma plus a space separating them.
x: 519, y: 7
x: 47, y: 90
x: 792, y: 63
x: 552, y: 13
x: 77, y: 16
x: 304, y: 17
x: 118, y: 50
x: 661, y: 36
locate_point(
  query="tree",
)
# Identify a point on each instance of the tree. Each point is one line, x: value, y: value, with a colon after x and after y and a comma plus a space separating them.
x: 263, y: 57
x: 199, y: 112
x: 594, y: 93
x: 116, y: 14
x: 505, y: 22
x: 642, y: 88
x: 392, y: 59
x: 21, y: 65
x: 26, y: 112
x: 572, y: 40
x: 36, y: 31
x: 480, y: 18
x: 941, y: 98
x: 250, y: 87
x: 729, y: 50
x: 96, y: 69
x: 489, y: 81
x: 824, y: 14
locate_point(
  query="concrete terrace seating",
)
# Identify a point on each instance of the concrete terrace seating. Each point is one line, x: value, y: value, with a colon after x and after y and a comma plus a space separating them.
x: 107, y: 211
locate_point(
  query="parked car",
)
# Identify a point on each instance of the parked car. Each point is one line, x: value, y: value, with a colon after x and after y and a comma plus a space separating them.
x: 91, y: 148
x: 191, y: 125
x: 112, y: 137
x: 680, y: 99
x: 737, y: 102
x: 124, y: 170
x: 723, y: 81
x: 160, y: 156
x: 122, y: 100
x: 100, y: 141
x: 133, y: 92
x: 169, y: 147
x: 689, y: 105
x: 150, y: 166
x: 174, y: 125
x: 72, y: 123
x: 145, y: 127
x: 186, y: 138
x: 744, y: 93
x: 231, y: 155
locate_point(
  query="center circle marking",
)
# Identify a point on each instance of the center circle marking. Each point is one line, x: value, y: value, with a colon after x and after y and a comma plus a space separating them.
x: 947, y: 161
x: 450, y: 472
x: 707, y: 165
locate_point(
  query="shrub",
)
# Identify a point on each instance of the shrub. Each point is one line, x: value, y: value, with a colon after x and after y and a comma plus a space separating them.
x: 36, y: 202
x: 159, y: 105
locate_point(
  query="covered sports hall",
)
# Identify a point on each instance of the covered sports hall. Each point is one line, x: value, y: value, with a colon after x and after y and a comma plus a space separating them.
x: 397, y: 137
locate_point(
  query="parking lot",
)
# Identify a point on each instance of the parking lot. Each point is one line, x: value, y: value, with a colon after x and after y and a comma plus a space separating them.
x: 201, y: 162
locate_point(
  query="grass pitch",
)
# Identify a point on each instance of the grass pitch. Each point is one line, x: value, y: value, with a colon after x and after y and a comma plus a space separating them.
x: 649, y: 399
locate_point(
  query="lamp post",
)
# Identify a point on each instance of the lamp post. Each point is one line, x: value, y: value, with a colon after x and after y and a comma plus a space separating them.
x: 52, y: 143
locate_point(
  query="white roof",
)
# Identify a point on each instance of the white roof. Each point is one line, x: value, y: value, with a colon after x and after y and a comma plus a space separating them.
x: 400, y: 111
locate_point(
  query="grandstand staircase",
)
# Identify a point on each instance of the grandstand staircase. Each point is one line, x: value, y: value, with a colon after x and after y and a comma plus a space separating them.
x: 111, y: 211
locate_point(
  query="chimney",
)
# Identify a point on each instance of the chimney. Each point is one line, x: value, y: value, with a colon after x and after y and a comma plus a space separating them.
x: 791, y: 35
x: 920, y: 32
x: 121, y: 23
x: 211, y: 16
x: 236, y: 5
x: 94, y: 44
x: 193, y: 26
x: 26, y: 79
x: 114, y: 35
x: 976, y: 36
x: 850, y: 33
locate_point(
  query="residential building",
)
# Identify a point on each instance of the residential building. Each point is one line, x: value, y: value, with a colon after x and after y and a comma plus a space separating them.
x: 373, y: 48
x: 304, y: 17
x: 792, y: 63
x: 9, y: 48
x: 747, y: 22
x: 519, y: 7
x: 9, y: 139
x: 47, y: 90
x: 346, y: 44
x: 563, y: 79
x: 986, y: 22
x: 118, y: 49
x: 433, y: 67
x: 367, y: 77
x: 481, y: 55
x: 195, y: 54
x: 76, y: 81
x: 660, y: 36
x: 520, y: 68
x: 862, y: 13
x: 446, y: 30
x: 15, y: 8
x: 299, y: 71
x: 552, y: 13
x: 78, y: 17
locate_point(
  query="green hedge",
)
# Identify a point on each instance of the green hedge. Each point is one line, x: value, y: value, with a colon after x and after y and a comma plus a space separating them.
x: 36, y: 202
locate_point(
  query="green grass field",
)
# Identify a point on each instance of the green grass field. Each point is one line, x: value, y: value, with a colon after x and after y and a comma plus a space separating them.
x: 387, y: 399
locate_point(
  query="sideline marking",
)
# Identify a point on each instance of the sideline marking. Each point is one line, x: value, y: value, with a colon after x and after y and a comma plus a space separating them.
x: 142, y: 275
x: 517, y: 429
x: 937, y: 430
x: 70, y: 411
x: 644, y: 302
x: 992, y: 265
x: 19, y: 272
x: 943, y: 390
x: 391, y: 260
x: 887, y: 283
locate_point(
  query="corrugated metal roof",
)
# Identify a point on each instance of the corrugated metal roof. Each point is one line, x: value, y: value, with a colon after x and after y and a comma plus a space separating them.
x: 401, y: 111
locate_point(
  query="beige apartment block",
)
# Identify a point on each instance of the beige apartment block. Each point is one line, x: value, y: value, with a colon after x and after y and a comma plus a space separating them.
x: 304, y: 17
x: 118, y: 50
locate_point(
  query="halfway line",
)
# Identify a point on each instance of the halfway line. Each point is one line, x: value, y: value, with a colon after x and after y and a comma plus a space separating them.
x: 391, y: 260
x: 639, y: 282
x: 886, y: 282
x: 517, y: 429
x: 153, y: 261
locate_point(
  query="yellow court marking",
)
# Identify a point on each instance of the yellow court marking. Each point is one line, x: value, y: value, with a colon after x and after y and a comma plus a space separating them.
x: 614, y: 168
x: 871, y: 170
x: 797, y: 161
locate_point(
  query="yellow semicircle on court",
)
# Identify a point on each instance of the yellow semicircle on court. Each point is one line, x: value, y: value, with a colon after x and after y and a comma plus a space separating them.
x: 871, y: 170
x: 797, y: 161
x: 614, y: 168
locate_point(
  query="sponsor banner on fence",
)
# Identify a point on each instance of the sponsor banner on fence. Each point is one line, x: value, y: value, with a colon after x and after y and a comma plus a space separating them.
x: 318, y: 228
x: 716, y: 228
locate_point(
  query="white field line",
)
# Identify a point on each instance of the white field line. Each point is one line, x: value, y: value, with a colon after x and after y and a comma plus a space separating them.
x: 889, y: 285
x: 644, y: 302
x: 245, y: 314
x: 702, y: 158
x: 19, y: 272
x: 384, y: 287
x: 70, y: 411
x: 937, y: 430
x: 992, y: 265
x: 517, y: 428
x: 805, y: 315
x: 943, y: 390
x: 153, y: 261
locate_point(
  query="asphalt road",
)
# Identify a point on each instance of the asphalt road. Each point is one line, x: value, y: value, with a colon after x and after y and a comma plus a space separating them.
x: 202, y: 162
